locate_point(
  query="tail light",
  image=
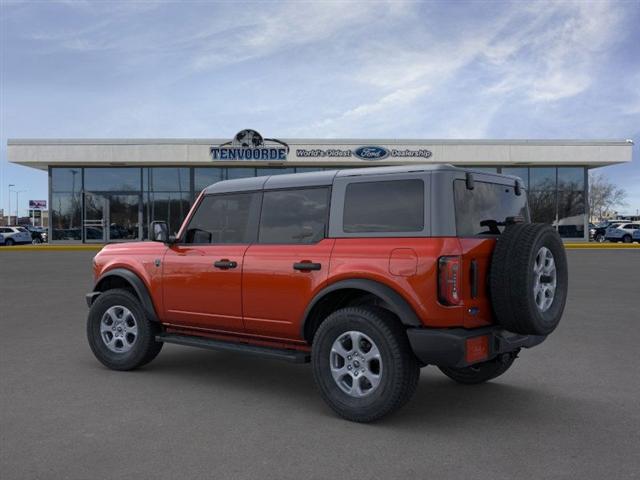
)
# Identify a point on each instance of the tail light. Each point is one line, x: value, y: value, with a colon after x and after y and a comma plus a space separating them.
x: 449, y: 280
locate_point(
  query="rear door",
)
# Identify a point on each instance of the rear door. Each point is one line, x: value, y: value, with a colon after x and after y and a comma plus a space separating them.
x: 289, y: 263
x: 202, y: 274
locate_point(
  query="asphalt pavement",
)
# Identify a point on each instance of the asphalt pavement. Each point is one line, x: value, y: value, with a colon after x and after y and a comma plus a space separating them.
x: 569, y: 408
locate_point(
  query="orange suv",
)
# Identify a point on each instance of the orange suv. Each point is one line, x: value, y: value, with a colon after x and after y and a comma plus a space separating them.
x: 370, y: 274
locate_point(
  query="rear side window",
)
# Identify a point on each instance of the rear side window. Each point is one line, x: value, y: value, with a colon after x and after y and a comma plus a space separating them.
x: 224, y: 219
x: 485, y: 209
x: 385, y: 206
x: 294, y: 216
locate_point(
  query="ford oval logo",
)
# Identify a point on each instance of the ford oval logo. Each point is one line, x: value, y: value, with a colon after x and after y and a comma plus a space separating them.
x: 371, y: 153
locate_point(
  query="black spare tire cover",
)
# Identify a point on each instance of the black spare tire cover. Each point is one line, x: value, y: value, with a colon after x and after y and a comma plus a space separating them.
x: 528, y: 279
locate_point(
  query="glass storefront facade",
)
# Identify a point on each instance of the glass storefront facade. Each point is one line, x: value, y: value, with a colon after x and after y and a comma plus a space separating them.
x: 107, y: 204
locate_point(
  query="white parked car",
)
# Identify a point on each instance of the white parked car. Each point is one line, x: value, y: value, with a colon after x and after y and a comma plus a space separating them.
x: 622, y: 233
x: 15, y: 235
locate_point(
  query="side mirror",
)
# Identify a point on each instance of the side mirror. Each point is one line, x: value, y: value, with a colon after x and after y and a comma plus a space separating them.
x: 159, y: 232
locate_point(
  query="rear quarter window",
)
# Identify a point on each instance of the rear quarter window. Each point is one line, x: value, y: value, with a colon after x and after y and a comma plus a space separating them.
x: 485, y: 209
x: 384, y: 206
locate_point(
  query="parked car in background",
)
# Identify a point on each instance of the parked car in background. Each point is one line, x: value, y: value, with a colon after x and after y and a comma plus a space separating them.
x: 38, y: 234
x: 15, y: 235
x: 600, y: 230
x: 622, y: 232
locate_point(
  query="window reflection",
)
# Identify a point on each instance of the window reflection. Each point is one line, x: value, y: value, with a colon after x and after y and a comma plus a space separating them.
x: 66, y: 179
x: 167, y: 179
x: 171, y: 207
x: 203, y: 177
x: 542, y: 178
x: 234, y: 172
x: 570, y: 178
x: 111, y: 179
x: 66, y: 216
x: 522, y: 172
x: 542, y: 205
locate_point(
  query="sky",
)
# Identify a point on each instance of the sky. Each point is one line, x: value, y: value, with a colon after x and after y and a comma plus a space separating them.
x: 374, y: 69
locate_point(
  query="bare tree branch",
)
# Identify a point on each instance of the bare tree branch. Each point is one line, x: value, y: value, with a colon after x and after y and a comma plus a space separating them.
x: 604, y: 196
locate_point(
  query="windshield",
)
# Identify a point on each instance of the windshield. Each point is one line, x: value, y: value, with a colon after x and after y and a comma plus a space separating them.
x: 487, y: 208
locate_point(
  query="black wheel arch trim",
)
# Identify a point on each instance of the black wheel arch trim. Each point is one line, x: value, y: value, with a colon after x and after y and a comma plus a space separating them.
x: 397, y: 303
x: 136, y: 283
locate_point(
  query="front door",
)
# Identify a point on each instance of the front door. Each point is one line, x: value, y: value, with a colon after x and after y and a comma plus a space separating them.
x: 111, y: 217
x: 95, y: 218
x: 202, y: 272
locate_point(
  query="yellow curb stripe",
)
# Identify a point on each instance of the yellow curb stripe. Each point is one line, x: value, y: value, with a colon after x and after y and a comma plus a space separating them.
x: 601, y: 246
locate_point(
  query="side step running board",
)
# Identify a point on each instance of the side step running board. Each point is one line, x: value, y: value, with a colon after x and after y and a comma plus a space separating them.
x: 288, y: 355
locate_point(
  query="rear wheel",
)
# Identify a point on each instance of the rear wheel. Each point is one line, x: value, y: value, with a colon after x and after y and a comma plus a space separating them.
x: 119, y: 333
x: 481, y: 372
x: 9, y: 242
x: 626, y: 239
x: 363, y: 363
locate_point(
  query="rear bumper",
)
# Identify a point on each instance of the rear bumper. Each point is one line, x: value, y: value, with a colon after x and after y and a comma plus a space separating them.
x: 449, y: 347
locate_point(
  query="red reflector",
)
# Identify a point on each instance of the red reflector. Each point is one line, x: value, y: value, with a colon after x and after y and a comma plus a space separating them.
x: 449, y: 280
x: 477, y: 349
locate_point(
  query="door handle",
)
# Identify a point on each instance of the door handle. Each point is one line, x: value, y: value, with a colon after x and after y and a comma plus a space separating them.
x: 305, y: 266
x: 225, y: 264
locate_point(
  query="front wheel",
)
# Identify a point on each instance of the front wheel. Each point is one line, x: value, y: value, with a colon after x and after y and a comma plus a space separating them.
x: 599, y: 238
x: 363, y: 363
x: 481, y: 372
x: 119, y: 333
x: 36, y: 241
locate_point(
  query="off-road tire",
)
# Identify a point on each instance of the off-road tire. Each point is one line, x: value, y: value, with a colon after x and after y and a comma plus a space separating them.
x: 400, y: 372
x: 511, y: 279
x: 481, y: 372
x: 145, y: 347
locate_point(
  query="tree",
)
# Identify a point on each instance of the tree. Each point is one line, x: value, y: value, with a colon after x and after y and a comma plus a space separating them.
x: 604, y: 196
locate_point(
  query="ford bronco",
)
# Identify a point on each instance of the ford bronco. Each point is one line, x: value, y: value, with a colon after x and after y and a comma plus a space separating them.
x: 370, y: 274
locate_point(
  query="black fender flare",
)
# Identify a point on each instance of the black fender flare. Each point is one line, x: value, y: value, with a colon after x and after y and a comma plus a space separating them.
x: 397, y: 304
x: 136, y: 283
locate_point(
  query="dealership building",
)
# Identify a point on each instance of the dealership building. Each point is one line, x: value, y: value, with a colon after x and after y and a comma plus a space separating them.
x: 110, y: 190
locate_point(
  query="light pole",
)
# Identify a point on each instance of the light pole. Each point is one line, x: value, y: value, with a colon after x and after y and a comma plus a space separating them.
x: 9, y: 211
x: 18, y: 192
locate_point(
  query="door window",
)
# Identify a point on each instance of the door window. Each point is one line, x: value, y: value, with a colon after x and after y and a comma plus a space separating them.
x: 229, y: 218
x: 294, y: 216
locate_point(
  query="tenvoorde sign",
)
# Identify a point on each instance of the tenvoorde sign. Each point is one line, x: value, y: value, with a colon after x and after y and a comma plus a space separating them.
x: 249, y: 145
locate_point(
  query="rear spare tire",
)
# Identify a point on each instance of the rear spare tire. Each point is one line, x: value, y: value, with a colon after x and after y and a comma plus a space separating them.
x: 528, y: 279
